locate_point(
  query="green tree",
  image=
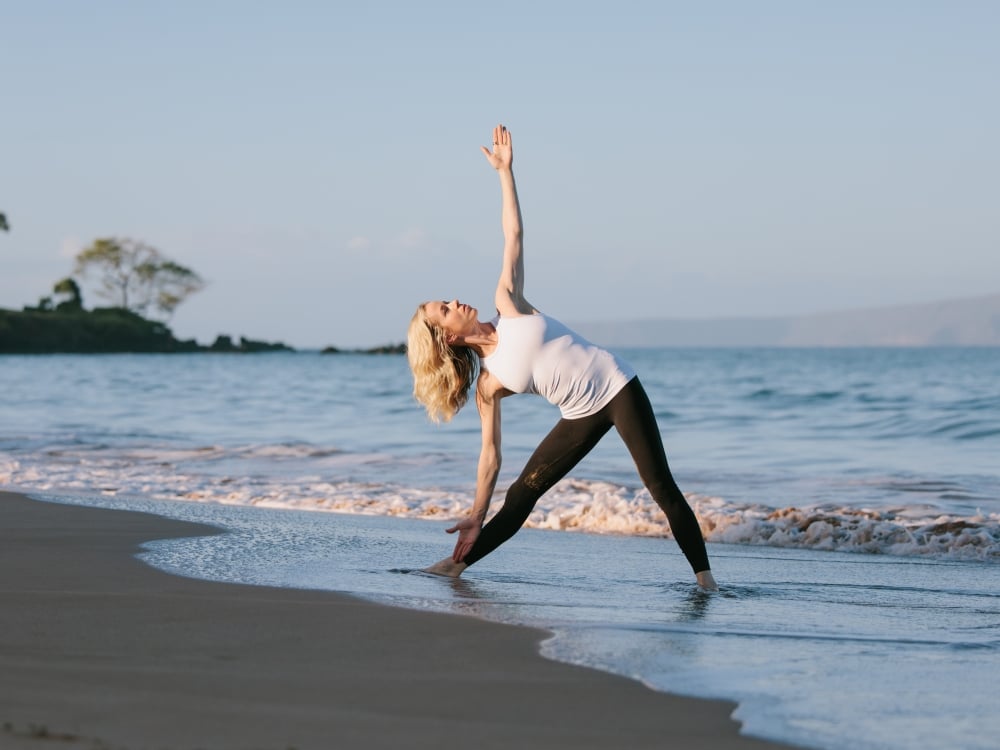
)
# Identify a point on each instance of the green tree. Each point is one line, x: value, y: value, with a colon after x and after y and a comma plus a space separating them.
x: 169, y: 284
x: 70, y: 287
x: 137, y: 276
x: 3, y: 223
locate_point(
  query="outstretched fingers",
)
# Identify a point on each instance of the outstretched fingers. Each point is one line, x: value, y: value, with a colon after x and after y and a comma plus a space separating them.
x: 469, y: 531
x: 501, y: 137
x: 502, y: 154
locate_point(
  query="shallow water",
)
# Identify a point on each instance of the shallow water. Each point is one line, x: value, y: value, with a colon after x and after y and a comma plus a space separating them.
x: 823, y: 649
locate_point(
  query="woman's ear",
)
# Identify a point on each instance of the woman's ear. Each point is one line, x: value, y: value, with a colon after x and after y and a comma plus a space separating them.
x: 451, y: 338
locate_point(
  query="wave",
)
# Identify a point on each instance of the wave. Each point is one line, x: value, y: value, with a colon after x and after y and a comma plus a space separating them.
x: 879, y: 416
x: 857, y: 530
x: 573, y: 505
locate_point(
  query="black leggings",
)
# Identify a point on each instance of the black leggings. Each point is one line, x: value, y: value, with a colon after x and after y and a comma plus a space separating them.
x: 569, y: 441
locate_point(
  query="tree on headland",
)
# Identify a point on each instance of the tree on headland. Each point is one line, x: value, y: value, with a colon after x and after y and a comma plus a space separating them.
x: 137, y: 276
x: 170, y: 284
x: 67, y: 286
x: 70, y: 287
x: 3, y: 223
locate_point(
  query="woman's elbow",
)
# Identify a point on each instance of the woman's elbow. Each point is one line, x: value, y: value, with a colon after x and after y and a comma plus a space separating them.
x: 490, y: 465
x: 513, y: 234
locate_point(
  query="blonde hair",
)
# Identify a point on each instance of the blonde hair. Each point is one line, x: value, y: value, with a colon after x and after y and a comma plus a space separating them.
x: 442, y: 374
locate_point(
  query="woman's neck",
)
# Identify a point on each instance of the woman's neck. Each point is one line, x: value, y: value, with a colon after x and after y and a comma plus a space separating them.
x: 483, y: 340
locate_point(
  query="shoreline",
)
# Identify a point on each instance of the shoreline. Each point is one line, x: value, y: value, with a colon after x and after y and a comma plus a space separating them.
x: 103, y: 651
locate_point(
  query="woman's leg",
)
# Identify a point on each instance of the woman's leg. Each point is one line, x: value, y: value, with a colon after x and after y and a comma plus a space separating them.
x: 568, y: 442
x: 633, y: 417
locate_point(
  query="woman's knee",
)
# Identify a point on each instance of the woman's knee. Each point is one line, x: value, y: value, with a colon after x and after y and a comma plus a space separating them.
x: 518, y: 502
x: 665, y: 492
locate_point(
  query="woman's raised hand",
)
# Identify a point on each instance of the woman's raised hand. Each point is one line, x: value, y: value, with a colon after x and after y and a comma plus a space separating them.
x: 502, y: 155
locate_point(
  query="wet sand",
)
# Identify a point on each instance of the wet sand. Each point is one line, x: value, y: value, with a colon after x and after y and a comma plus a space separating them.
x: 100, y: 651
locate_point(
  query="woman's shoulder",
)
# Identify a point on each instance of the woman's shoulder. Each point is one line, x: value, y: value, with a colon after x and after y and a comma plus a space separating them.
x: 509, y: 304
x: 518, y: 322
x: 535, y: 314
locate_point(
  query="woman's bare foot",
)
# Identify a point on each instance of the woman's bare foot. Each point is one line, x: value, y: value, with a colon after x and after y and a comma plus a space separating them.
x: 446, y: 567
x: 706, y: 580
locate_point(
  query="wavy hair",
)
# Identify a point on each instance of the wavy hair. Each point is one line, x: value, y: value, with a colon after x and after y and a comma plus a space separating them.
x: 442, y: 374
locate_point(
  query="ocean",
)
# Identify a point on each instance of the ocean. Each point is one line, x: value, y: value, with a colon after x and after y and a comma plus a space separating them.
x: 850, y: 499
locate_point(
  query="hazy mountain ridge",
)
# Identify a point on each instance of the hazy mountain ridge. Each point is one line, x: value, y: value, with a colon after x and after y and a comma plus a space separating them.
x: 963, y: 322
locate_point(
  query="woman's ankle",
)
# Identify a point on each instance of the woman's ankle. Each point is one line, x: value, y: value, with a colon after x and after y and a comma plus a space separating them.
x: 706, y: 580
x: 446, y: 567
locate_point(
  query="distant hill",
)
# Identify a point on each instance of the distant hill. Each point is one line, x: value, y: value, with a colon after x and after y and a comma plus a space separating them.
x: 964, y: 322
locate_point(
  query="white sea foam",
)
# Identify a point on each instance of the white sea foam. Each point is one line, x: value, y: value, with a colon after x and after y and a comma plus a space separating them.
x: 572, y: 505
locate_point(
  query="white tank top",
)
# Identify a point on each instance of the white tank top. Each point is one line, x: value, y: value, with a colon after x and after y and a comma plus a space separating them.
x: 538, y: 354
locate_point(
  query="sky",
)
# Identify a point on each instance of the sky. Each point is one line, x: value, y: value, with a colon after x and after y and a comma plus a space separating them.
x: 318, y: 162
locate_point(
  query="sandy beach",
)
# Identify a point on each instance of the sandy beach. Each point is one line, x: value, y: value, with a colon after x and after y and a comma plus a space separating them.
x: 101, y: 651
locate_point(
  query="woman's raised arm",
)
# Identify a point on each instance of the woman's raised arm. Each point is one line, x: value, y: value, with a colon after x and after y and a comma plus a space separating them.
x: 509, y: 298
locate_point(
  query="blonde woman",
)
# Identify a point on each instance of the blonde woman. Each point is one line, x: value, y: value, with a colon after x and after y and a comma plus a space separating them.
x: 523, y: 350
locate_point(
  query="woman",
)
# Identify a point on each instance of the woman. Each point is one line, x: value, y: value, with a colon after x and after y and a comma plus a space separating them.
x: 525, y: 351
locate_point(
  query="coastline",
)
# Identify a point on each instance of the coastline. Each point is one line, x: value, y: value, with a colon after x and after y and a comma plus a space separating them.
x: 103, y: 651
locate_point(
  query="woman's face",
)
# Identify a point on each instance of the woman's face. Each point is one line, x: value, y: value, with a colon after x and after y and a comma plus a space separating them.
x: 453, y: 317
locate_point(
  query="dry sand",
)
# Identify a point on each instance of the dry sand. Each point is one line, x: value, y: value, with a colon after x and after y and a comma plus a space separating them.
x: 98, y: 650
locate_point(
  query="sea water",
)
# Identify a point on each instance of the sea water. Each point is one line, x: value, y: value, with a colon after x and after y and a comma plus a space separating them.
x: 851, y: 500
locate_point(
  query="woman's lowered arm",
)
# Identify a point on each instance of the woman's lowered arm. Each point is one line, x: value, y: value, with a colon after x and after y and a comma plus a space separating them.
x: 486, y: 473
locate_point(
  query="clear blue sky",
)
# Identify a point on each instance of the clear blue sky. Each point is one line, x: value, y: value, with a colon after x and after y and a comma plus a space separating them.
x: 318, y: 162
